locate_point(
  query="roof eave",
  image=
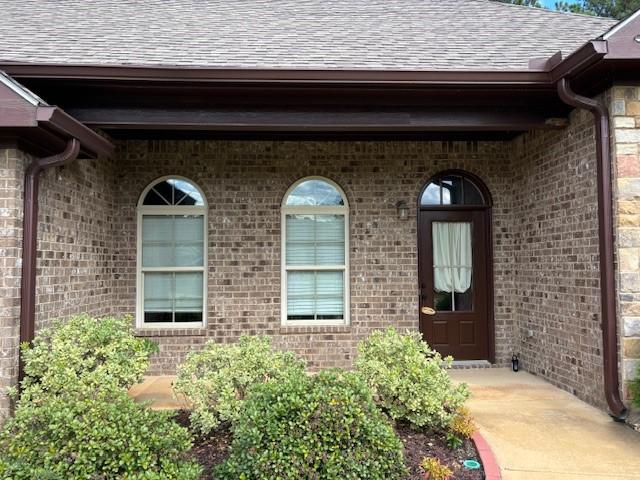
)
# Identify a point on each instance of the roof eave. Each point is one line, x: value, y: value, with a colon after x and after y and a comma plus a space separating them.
x: 28, y: 119
x: 56, y: 120
x: 248, y: 75
x: 579, y: 61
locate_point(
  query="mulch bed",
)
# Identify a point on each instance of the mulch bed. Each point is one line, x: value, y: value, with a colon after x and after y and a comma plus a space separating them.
x: 212, y: 449
x: 418, y: 445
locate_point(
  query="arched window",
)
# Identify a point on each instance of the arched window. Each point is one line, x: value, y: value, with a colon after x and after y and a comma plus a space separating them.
x: 315, y: 254
x: 453, y: 188
x: 172, y: 231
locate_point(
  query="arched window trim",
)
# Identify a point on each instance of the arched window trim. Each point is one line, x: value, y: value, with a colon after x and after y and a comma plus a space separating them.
x: 169, y: 210
x: 155, y: 182
x: 308, y: 209
x: 322, y: 179
x: 477, y: 181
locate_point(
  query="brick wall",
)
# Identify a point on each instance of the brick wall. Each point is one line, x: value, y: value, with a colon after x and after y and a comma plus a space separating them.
x: 544, y: 239
x: 556, y: 295
x: 12, y: 163
x: 244, y: 183
x: 75, y: 252
x: 75, y: 228
x: 625, y: 112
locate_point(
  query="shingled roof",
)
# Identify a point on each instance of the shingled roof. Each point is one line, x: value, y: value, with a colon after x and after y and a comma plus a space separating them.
x: 291, y: 34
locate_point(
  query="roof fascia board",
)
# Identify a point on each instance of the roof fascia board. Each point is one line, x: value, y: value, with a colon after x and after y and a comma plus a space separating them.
x: 616, y: 28
x: 624, y: 39
x: 174, y: 74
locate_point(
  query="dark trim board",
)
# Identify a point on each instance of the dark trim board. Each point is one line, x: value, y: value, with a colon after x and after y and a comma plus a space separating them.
x: 152, y: 134
x: 320, y: 120
x: 247, y: 75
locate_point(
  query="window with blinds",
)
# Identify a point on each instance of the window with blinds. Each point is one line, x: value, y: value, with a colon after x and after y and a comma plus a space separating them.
x: 315, y: 279
x: 171, y: 255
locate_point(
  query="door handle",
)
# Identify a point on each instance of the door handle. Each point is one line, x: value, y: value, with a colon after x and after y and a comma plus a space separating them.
x: 428, y: 311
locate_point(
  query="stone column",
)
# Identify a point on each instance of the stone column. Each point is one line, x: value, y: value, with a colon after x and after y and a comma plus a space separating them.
x: 625, y: 120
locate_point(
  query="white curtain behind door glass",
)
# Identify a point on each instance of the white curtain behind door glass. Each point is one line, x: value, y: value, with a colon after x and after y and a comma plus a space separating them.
x: 452, y: 263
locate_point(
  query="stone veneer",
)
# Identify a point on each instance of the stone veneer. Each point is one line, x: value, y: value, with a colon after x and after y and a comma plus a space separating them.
x: 625, y: 113
x: 544, y: 241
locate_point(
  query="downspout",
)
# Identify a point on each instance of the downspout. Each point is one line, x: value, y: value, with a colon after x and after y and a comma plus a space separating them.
x: 30, y: 239
x: 605, y: 235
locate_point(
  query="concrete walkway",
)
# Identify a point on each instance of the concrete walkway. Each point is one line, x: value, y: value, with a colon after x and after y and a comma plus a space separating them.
x: 157, y: 390
x: 537, y: 431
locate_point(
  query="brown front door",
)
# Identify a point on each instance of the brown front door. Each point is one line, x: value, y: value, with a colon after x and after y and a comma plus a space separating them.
x: 454, y: 263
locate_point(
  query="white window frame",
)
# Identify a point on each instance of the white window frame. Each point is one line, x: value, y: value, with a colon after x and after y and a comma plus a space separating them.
x: 143, y: 210
x: 314, y: 210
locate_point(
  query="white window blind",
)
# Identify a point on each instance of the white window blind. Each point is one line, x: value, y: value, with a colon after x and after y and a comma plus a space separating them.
x: 315, y: 259
x: 172, y: 255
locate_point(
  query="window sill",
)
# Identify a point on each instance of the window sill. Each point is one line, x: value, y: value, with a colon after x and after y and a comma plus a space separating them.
x: 302, y: 329
x: 171, y: 332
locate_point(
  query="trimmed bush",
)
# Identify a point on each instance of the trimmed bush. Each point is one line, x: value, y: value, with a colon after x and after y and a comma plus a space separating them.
x: 89, y: 350
x: 313, y: 427
x: 215, y: 380
x: 409, y: 380
x: 74, y: 419
x: 93, y: 434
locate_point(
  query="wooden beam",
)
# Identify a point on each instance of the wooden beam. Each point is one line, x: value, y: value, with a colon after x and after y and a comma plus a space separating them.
x: 319, y: 120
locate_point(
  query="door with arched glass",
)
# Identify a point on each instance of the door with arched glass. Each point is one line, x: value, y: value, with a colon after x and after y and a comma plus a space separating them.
x: 455, y: 265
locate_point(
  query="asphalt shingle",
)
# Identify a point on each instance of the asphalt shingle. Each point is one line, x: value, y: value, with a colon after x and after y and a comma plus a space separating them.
x: 295, y: 34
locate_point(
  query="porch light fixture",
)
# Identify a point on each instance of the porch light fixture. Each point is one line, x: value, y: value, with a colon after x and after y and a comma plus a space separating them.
x: 403, y: 210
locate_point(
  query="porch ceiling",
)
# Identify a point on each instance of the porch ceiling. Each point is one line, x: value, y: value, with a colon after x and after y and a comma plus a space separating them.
x: 161, y: 108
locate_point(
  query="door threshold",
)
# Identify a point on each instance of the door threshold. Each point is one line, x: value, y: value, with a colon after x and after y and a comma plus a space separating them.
x: 462, y: 364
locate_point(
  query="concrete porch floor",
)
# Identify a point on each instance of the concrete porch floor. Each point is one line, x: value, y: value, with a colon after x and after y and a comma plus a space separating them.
x: 538, y: 431
x: 535, y: 430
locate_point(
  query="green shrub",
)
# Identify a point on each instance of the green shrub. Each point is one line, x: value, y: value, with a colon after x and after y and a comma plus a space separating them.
x: 408, y: 379
x: 313, y: 427
x: 74, y: 419
x: 215, y: 380
x: 84, y: 433
x: 83, y: 348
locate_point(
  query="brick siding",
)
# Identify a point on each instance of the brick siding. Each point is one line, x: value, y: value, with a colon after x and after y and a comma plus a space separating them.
x: 556, y: 296
x: 245, y: 182
x: 75, y: 228
x: 12, y: 163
